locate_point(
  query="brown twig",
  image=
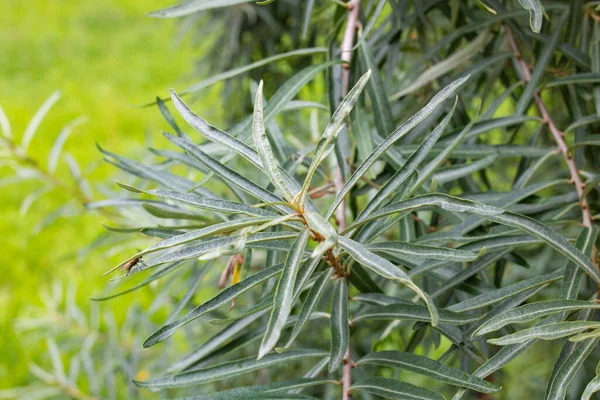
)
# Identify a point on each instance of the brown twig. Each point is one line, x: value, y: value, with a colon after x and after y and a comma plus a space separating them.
x: 558, y: 136
x: 346, y: 54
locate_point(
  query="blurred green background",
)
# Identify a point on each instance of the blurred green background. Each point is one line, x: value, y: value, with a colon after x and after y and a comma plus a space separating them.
x: 105, y: 57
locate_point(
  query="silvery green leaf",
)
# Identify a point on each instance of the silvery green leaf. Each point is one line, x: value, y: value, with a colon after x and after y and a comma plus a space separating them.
x: 193, y: 6
x: 311, y: 301
x: 532, y: 311
x: 37, y: 119
x: 536, y: 15
x: 340, y: 331
x: 409, y: 167
x: 545, y: 332
x: 421, y: 252
x: 385, y: 268
x: 414, y: 312
x: 327, y: 140
x: 566, y: 373
x: 430, y: 368
x: 227, y: 370
x: 393, y: 389
x: 284, y: 294
x: 219, y: 300
x: 261, y: 142
x: 393, y: 137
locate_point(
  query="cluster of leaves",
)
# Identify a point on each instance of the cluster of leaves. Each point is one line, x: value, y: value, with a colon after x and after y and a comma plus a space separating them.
x: 89, y: 354
x: 462, y: 222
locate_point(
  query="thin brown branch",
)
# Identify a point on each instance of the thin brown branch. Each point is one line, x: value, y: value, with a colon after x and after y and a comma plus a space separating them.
x: 557, y: 134
x: 346, y: 54
x: 559, y: 138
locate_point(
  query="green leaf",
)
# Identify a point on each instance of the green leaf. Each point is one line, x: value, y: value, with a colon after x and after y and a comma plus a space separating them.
x: 545, y: 332
x: 564, y: 376
x: 393, y: 389
x: 414, y: 312
x: 219, y: 300
x: 340, y: 331
x: 532, y: 311
x: 526, y: 224
x: 214, y: 134
x: 593, y: 386
x: 383, y: 267
x: 445, y: 66
x: 194, y: 6
x: 284, y: 294
x: 59, y: 143
x: 542, y: 61
x: 458, y: 171
x: 393, y: 137
x: 506, y: 292
x: 228, y: 369
x: 37, y: 119
x: 378, y: 299
x: 267, y: 390
x: 231, y: 331
x: 327, y: 140
x: 223, y: 171
x: 171, y: 212
x: 267, y: 158
x: 536, y: 15
x: 581, y: 78
x: 206, y: 203
x: 409, y: 167
x: 420, y: 252
x: 309, y: 304
x: 430, y: 368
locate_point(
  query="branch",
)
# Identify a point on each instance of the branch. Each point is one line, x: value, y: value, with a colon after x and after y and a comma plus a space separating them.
x: 557, y: 134
x: 346, y: 54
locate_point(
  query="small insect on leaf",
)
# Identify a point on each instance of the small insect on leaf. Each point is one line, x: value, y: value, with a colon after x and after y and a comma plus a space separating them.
x: 135, y: 265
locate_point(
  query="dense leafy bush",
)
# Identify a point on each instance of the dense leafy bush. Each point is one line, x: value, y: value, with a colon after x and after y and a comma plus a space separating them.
x: 410, y: 231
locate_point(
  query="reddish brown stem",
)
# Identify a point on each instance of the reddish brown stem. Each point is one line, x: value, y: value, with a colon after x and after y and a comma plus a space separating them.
x: 558, y: 136
x: 346, y: 54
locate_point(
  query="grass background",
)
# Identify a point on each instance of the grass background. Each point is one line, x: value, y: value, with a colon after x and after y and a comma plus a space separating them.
x: 105, y: 57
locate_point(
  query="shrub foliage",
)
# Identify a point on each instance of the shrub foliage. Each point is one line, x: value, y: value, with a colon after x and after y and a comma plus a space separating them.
x: 444, y: 192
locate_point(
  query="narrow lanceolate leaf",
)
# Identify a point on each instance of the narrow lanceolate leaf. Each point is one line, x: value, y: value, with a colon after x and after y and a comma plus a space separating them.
x: 549, y: 236
x: 236, y: 328
x: 408, y: 168
x: 228, y: 370
x: 261, y: 141
x: 205, y: 203
x: 37, y: 119
x: 284, y: 295
x: 327, y: 141
x: 392, y: 138
x: 593, y: 386
x: 430, y: 368
x: 222, y: 171
x: 536, y: 15
x: 268, y: 389
x: 444, y: 201
x: 546, y: 332
x: 529, y: 312
x: 383, y: 267
x: 214, y: 134
x: 506, y: 292
x: 211, y: 230
x: 566, y: 373
x: 421, y: 252
x: 415, y: 312
x: 194, y: 6
x: 393, y: 389
x: 340, y: 331
x: 311, y: 301
x: 495, y: 214
x: 219, y: 300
